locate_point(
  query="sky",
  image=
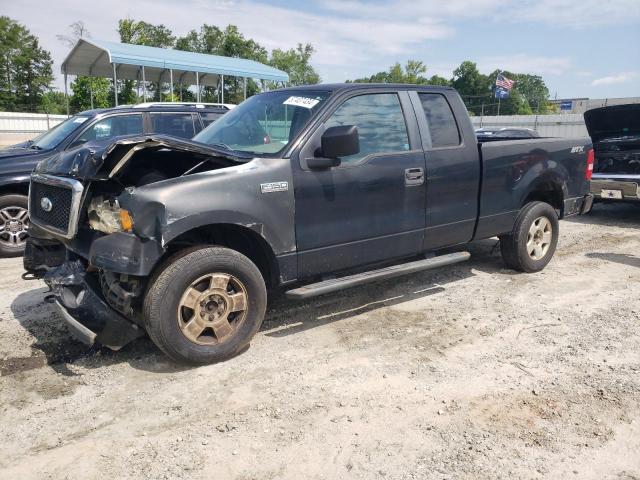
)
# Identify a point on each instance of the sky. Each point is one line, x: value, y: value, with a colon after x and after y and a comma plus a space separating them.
x: 582, y: 48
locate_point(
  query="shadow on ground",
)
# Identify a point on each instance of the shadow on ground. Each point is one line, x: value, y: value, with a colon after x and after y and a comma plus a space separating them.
x: 621, y: 258
x: 55, y: 347
x: 613, y: 214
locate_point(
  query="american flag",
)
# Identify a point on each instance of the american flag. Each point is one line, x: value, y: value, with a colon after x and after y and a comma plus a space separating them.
x: 504, y: 82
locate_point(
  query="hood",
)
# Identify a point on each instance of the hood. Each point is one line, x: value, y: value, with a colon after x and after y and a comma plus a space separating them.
x: 20, y: 160
x: 613, y: 122
x: 87, y: 161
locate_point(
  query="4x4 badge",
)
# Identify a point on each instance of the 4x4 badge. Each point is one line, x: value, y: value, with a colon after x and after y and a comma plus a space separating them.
x: 274, y: 187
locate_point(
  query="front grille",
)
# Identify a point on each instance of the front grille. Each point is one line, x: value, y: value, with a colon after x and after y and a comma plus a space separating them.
x: 63, y: 197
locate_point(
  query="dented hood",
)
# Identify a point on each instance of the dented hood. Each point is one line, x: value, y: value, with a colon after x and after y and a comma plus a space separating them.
x: 85, y: 162
x: 613, y: 122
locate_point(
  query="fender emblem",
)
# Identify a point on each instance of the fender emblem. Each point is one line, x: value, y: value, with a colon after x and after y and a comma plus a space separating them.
x: 274, y: 187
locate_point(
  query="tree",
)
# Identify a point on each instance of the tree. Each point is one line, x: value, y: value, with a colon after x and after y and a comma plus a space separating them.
x: 413, y: 72
x: 78, y: 31
x: 25, y: 68
x: 228, y: 43
x: 142, y: 33
x: 84, y: 87
x: 438, y: 80
x: 295, y: 62
x: 53, y: 102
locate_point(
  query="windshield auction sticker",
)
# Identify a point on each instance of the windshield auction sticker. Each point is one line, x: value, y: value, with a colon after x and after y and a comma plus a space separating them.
x: 303, y: 102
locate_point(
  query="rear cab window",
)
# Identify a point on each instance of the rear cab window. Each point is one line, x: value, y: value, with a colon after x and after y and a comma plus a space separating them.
x: 440, y: 120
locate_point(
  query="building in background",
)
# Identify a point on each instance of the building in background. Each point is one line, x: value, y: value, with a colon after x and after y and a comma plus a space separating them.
x: 581, y: 105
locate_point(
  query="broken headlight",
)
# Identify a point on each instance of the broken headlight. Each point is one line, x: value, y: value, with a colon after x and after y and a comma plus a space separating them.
x: 105, y: 215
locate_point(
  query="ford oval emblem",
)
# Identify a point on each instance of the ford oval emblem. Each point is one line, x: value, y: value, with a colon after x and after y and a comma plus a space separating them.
x: 46, y: 204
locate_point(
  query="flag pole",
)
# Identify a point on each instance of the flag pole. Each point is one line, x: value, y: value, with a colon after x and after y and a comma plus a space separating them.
x: 498, y: 106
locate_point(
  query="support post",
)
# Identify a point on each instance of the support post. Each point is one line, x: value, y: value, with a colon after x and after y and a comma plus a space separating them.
x: 91, y: 91
x: 197, y: 87
x: 66, y: 93
x: 245, y: 88
x: 115, y: 84
x: 222, y: 89
x: 171, y: 83
x: 498, y: 106
x: 144, y: 86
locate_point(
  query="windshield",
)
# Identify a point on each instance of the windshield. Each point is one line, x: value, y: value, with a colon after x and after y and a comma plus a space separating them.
x: 57, y: 134
x: 264, y: 124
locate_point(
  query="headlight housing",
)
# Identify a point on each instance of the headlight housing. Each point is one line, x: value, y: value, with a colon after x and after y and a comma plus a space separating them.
x: 105, y: 215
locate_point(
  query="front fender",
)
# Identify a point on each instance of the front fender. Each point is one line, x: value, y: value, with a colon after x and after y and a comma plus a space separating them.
x: 232, y: 195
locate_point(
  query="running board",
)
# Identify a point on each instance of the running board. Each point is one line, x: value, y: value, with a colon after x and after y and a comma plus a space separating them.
x: 335, y: 284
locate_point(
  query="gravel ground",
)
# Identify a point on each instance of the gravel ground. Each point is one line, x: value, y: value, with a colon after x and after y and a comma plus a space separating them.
x: 465, y: 372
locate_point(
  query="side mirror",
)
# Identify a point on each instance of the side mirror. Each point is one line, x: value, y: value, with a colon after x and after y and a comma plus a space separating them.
x: 340, y: 141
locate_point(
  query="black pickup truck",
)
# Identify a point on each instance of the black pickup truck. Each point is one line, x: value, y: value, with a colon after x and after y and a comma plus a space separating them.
x: 310, y: 190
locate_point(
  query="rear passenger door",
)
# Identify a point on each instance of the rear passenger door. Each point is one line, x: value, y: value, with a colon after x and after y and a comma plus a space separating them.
x: 371, y: 207
x: 171, y: 123
x: 452, y: 171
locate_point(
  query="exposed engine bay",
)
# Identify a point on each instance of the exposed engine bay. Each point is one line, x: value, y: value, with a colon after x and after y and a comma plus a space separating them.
x: 618, y: 156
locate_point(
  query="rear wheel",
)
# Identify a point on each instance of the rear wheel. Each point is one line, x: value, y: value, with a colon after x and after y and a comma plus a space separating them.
x: 205, y: 306
x: 531, y: 245
x: 14, y: 219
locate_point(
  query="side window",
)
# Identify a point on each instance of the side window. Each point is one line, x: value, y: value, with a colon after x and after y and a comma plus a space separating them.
x: 176, y: 124
x: 112, y: 127
x: 380, y: 123
x: 209, y: 117
x: 442, y: 123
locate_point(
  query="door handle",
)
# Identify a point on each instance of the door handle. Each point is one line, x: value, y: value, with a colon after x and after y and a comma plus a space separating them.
x: 414, y: 176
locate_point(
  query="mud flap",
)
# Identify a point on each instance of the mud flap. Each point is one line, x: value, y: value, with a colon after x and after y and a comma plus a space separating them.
x: 84, y: 310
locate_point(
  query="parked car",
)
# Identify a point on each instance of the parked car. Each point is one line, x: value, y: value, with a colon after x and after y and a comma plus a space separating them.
x: 512, y: 133
x: 291, y: 186
x: 16, y: 163
x: 615, y: 132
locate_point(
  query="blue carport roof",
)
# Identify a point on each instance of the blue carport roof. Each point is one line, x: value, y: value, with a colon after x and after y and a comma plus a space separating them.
x: 95, y: 57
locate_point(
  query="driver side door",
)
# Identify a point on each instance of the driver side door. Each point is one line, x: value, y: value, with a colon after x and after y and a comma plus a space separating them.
x: 371, y: 207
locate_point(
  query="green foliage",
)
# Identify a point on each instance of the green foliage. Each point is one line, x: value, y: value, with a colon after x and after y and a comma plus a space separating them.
x: 53, y: 102
x: 295, y: 62
x: 25, y: 68
x: 82, y: 88
x: 142, y: 33
x: 413, y: 73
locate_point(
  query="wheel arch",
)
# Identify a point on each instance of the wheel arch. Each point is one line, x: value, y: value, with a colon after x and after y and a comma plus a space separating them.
x: 549, y: 189
x: 236, y: 237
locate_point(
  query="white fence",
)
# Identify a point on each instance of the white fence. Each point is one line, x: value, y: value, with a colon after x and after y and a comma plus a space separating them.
x: 18, y: 127
x: 567, y: 125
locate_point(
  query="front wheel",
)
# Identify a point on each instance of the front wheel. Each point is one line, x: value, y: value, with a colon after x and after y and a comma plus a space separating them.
x: 531, y: 244
x: 205, y: 306
x: 14, y: 220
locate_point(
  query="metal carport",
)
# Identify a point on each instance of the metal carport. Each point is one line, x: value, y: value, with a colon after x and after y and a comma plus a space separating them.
x: 97, y: 58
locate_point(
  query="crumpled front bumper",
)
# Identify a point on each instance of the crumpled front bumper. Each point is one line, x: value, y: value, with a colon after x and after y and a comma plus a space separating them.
x: 77, y: 295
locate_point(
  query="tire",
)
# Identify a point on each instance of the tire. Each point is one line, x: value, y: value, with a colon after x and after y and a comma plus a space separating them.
x: 193, y: 316
x: 532, y: 243
x: 14, y: 219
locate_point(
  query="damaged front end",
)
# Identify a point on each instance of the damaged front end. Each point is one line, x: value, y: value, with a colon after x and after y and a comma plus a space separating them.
x: 90, y: 249
x: 85, y: 310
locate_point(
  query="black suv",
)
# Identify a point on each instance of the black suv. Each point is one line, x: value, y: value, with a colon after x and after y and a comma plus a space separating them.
x: 16, y: 163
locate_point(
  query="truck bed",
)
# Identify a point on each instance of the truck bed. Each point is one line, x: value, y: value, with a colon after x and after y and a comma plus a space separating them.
x: 511, y: 167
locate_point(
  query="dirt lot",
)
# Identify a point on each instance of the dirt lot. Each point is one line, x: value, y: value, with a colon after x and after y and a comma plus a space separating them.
x: 466, y: 372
